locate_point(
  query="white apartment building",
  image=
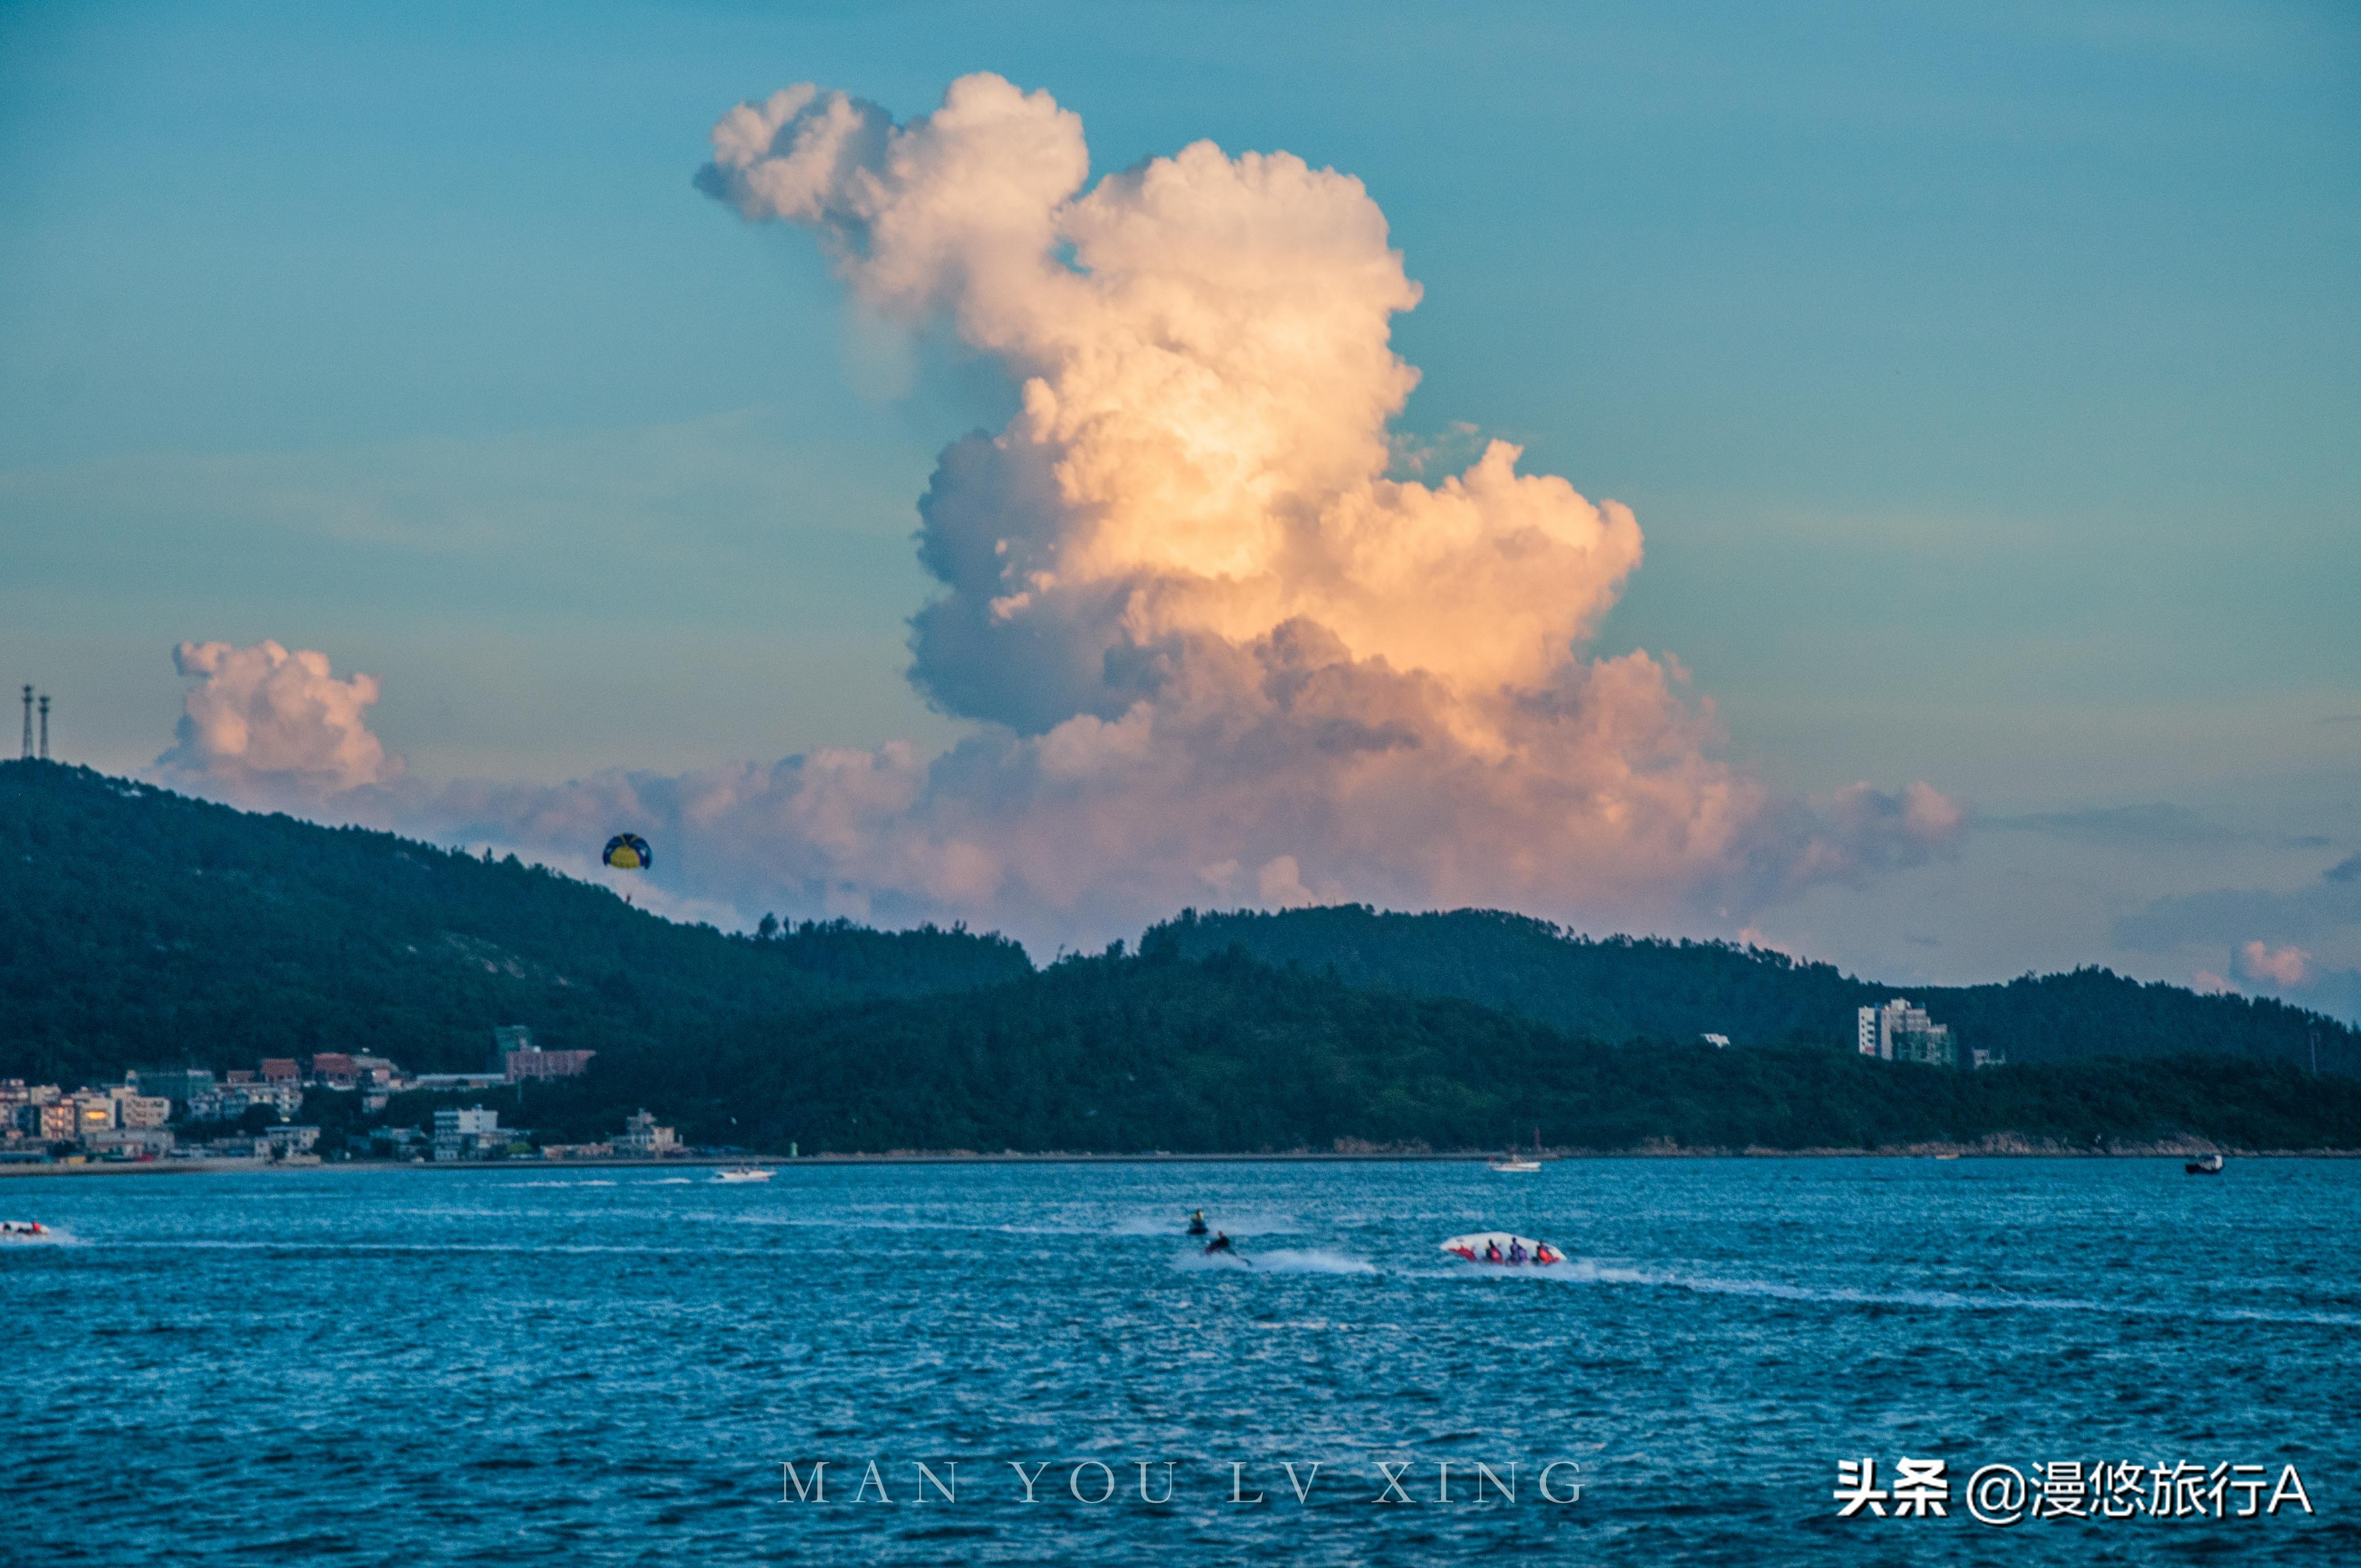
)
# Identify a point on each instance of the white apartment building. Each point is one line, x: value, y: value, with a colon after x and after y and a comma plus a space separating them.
x: 471, y: 1133
x: 1899, y: 1032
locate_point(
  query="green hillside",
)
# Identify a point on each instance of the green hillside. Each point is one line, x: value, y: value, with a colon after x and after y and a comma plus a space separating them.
x: 1119, y: 1054
x: 144, y: 927
x: 1618, y: 987
x: 147, y: 928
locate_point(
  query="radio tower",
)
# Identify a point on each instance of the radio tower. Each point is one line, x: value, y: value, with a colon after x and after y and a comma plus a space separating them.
x: 29, y: 724
x: 45, y: 727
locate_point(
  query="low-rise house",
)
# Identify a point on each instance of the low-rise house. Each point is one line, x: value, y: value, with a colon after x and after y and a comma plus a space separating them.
x: 232, y: 1101
x: 471, y: 1133
x: 131, y: 1143
x: 280, y: 1070
x: 448, y: 1080
x: 577, y: 1151
x: 643, y: 1138
x: 290, y: 1139
x: 334, y: 1069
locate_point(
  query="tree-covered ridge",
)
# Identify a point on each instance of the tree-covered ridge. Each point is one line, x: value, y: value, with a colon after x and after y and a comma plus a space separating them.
x: 1619, y: 987
x: 142, y: 928
x: 147, y: 928
x: 1124, y: 1055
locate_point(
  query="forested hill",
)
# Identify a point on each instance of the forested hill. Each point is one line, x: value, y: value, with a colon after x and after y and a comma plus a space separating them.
x: 145, y: 928
x: 141, y: 927
x: 1620, y: 987
x: 1119, y: 1054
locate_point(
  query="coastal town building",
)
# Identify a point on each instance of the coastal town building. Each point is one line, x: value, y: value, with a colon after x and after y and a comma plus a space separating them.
x: 232, y: 1101
x: 1899, y: 1032
x: 131, y: 1143
x: 334, y: 1069
x: 177, y: 1084
x: 644, y: 1139
x: 133, y: 1109
x: 473, y: 1132
x: 516, y: 1058
x: 288, y: 1140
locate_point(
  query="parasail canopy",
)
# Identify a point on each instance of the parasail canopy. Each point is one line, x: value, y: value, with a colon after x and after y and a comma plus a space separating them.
x: 629, y: 852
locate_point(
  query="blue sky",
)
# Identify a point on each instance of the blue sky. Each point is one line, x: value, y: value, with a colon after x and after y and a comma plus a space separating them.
x: 1984, y: 379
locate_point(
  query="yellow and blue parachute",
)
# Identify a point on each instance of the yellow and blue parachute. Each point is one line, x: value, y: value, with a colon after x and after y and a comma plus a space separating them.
x: 629, y: 852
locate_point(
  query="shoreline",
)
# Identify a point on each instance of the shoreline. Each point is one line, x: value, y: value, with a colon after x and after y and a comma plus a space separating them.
x: 1298, y: 1156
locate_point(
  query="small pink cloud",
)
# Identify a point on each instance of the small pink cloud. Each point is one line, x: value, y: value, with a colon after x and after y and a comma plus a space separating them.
x: 2282, y: 966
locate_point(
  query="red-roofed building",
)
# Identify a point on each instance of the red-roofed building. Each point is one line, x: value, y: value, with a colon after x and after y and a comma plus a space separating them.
x: 280, y: 1070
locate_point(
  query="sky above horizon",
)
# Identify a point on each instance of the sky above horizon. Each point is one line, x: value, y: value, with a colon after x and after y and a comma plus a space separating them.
x: 1981, y: 378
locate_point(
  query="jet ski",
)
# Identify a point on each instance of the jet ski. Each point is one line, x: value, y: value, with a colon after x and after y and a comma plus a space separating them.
x: 1501, y: 1249
x: 1197, y: 1223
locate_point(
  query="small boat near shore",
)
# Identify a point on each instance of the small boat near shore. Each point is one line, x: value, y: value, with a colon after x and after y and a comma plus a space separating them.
x: 2208, y: 1165
x: 743, y: 1173
x: 1514, y: 1163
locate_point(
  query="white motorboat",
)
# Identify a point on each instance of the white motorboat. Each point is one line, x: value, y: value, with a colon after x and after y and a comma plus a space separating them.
x: 743, y: 1173
x: 1515, y: 1162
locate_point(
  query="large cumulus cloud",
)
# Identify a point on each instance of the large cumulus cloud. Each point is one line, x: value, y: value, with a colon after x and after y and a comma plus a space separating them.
x: 264, y: 726
x: 1215, y: 649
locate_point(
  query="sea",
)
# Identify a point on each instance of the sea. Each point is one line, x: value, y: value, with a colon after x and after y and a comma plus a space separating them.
x: 608, y: 1365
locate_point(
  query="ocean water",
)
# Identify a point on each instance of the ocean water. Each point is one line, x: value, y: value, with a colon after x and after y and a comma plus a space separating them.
x: 516, y: 1367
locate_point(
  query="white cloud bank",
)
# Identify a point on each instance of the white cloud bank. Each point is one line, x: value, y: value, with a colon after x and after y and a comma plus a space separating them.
x: 1215, y: 654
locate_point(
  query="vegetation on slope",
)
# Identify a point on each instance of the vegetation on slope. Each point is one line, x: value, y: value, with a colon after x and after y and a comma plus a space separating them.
x: 1618, y: 987
x: 1115, y: 1054
x: 142, y: 928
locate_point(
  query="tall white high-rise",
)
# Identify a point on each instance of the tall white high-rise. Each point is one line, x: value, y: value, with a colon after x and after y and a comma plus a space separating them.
x: 1881, y: 1030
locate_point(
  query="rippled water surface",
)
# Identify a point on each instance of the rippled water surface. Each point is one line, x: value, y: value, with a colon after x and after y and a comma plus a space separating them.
x: 527, y: 1365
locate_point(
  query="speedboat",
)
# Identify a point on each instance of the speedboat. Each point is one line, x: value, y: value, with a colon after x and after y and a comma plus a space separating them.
x: 1515, y: 1162
x: 743, y: 1173
x: 2210, y: 1166
x: 1501, y: 1249
x: 23, y: 1228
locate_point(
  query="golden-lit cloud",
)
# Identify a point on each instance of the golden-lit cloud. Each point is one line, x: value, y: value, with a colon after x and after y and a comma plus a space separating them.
x: 1221, y: 645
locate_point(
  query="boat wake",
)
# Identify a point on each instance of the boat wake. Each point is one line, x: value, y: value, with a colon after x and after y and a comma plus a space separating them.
x: 1583, y: 1272
x: 1307, y: 1260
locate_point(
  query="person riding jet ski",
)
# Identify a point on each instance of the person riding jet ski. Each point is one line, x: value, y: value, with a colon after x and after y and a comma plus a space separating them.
x: 1221, y: 1243
x: 1197, y: 1222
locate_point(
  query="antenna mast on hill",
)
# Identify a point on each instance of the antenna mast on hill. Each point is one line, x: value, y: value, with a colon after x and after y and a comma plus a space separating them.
x: 29, y: 724
x: 45, y: 727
